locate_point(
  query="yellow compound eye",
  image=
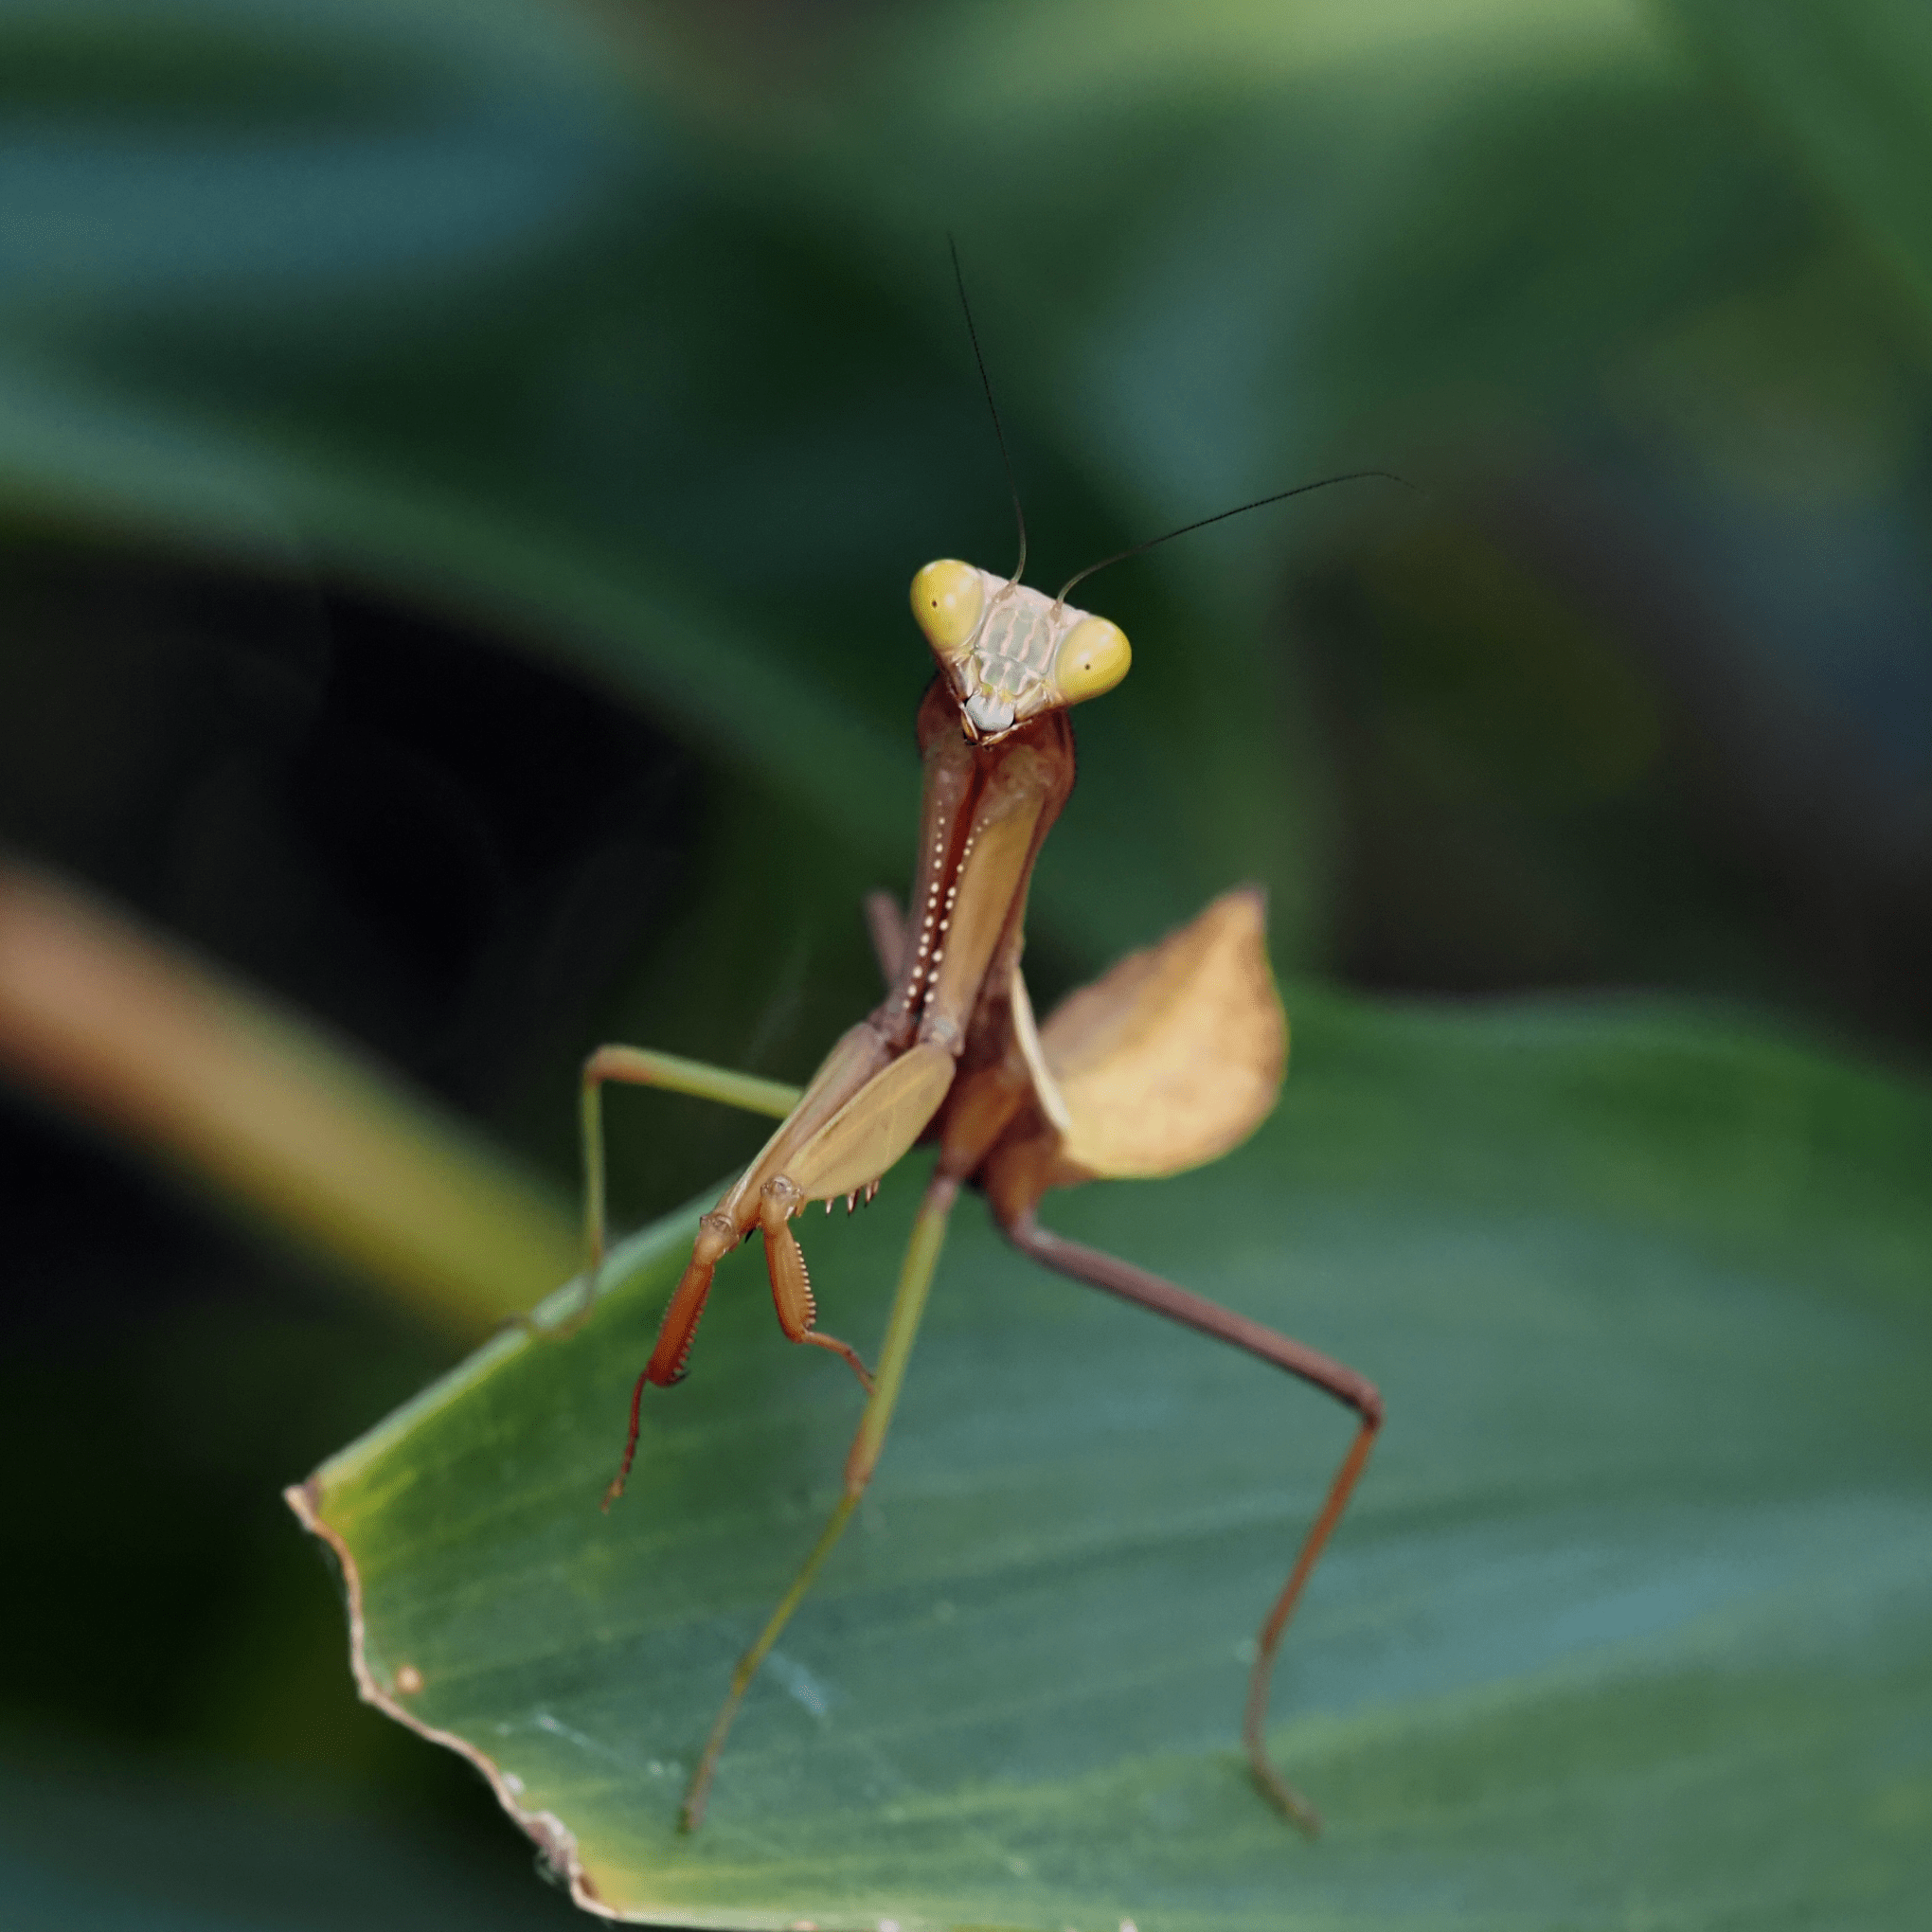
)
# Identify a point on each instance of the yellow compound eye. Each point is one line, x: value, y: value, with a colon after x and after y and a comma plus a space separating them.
x: 947, y: 597
x: 1093, y: 658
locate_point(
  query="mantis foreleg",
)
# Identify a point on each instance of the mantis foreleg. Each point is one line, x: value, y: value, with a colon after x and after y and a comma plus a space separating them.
x: 1149, y: 1291
x: 639, y: 1067
x: 885, y: 1079
x: 909, y: 1306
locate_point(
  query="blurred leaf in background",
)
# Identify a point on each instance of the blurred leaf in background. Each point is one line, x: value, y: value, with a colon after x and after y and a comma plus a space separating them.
x: 461, y: 460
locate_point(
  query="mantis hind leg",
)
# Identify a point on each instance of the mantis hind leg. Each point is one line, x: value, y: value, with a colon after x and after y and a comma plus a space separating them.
x: 1149, y: 1291
x: 886, y: 927
x: 909, y: 1306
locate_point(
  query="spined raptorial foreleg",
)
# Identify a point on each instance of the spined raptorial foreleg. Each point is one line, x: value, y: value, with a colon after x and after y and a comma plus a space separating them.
x: 847, y: 1127
x: 908, y: 1305
x: 882, y: 1084
x: 638, y: 1066
x: 1149, y: 1291
x: 844, y: 1153
x: 791, y: 1284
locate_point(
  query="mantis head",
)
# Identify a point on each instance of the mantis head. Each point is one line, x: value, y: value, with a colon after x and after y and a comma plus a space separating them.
x: 1011, y: 653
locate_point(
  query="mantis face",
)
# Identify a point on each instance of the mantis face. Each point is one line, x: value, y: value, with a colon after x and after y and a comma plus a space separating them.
x: 1011, y: 653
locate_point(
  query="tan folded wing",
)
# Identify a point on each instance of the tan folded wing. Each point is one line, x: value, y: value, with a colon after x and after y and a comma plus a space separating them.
x: 1175, y: 1055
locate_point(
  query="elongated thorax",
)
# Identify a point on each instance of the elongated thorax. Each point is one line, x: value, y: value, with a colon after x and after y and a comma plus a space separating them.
x: 986, y: 809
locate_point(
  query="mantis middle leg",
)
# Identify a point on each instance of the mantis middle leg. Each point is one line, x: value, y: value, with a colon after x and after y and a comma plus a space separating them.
x: 639, y: 1067
x: 909, y: 1306
x: 1149, y: 1291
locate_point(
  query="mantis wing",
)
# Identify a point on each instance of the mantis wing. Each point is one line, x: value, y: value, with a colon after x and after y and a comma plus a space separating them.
x: 1175, y: 1056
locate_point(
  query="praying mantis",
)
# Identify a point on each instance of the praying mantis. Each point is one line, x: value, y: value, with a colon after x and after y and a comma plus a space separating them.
x: 1168, y: 1060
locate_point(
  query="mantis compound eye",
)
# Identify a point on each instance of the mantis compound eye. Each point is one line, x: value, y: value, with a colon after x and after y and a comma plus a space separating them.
x: 947, y: 598
x: 1093, y: 658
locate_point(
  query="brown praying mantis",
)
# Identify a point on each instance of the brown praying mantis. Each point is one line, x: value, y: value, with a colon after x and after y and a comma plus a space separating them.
x: 1167, y: 1062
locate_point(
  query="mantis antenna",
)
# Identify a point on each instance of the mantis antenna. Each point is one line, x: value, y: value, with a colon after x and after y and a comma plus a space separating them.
x: 1222, y: 517
x: 992, y: 408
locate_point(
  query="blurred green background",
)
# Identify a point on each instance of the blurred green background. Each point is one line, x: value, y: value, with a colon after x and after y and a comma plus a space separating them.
x: 460, y: 467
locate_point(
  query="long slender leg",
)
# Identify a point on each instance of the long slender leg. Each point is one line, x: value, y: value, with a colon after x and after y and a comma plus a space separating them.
x: 639, y: 1067
x: 1149, y: 1291
x: 908, y: 1305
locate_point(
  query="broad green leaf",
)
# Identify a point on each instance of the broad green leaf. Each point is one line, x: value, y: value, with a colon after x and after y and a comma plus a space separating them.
x: 1632, y: 1622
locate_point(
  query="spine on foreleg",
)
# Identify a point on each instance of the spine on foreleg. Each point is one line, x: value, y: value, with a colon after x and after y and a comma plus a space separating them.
x: 716, y: 1237
x: 785, y: 1261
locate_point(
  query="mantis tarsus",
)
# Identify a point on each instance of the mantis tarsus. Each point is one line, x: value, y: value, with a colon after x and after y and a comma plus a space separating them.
x: 1168, y: 1060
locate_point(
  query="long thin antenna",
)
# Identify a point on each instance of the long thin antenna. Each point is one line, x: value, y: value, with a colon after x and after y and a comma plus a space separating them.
x: 986, y: 383
x: 1222, y: 517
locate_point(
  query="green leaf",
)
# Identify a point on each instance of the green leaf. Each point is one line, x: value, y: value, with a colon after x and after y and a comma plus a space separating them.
x: 1632, y: 1621
x: 198, y: 1071
x: 1845, y: 85
x: 366, y: 297
x: 523, y: 312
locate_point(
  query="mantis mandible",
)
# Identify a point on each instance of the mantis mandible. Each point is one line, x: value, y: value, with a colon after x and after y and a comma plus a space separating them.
x: 1167, y: 1062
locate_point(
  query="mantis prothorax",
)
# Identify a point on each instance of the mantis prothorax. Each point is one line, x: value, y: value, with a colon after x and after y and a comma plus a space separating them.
x: 1168, y: 1060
